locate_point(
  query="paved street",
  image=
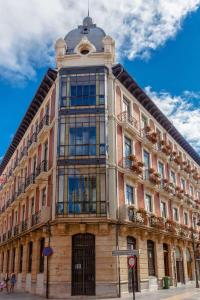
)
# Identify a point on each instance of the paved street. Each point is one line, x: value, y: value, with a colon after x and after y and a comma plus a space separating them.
x: 182, y: 293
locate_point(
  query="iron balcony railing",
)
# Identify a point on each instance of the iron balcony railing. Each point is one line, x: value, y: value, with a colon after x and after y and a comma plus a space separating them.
x: 24, y: 226
x: 23, y: 153
x: 21, y: 189
x: 9, y: 234
x: 30, y: 180
x: 4, y: 237
x: 42, y: 167
x: 16, y: 230
x: 126, y: 117
x: 43, y: 122
x: 32, y: 140
x: 35, y: 219
x: 81, y: 207
x: 82, y: 150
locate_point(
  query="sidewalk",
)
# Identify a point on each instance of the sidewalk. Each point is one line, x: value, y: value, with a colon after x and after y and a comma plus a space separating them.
x: 180, y: 293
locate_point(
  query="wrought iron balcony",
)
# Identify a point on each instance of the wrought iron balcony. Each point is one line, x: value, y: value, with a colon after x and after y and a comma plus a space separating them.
x: 24, y: 226
x: 98, y: 208
x: 23, y: 154
x: 4, y: 237
x: 10, y: 234
x: 16, y: 230
x: 44, y: 122
x: 127, y: 118
x: 32, y: 142
x: 42, y: 167
x: 30, y: 180
x: 35, y: 219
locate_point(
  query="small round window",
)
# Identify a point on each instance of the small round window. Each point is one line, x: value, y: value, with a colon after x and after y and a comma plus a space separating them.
x: 84, y: 51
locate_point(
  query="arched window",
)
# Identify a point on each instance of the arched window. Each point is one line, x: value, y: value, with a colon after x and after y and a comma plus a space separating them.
x: 151, y: 258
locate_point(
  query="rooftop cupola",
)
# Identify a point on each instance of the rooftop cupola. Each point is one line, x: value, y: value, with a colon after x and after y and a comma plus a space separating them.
x: 87, y: 41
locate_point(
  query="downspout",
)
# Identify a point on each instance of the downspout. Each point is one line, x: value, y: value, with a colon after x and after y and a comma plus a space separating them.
x: 117, y: 211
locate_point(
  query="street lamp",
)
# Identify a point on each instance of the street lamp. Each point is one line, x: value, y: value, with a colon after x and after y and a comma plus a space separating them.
x: 195, y: 258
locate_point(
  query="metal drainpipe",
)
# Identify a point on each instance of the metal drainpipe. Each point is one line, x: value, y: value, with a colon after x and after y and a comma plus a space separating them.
x: 117, y: 212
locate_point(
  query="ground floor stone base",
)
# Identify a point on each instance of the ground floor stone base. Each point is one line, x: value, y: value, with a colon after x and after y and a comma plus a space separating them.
x: 82, y: 263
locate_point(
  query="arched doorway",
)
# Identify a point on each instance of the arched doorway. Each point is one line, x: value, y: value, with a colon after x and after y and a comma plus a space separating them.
x: 166, y: 258
x: 179, y: 266
x: 189, y: 264
x: 151, y: 258
x: 83, y: 264
x: 131, y: 244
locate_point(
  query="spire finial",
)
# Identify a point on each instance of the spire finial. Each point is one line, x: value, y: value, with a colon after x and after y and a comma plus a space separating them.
x: 88, y: 8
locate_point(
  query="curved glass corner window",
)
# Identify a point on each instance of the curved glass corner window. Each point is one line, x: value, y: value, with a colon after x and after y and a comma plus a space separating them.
x: 82, y: 136
x: 83, y: 90
x: 81, y: 193
x: 82, y: 141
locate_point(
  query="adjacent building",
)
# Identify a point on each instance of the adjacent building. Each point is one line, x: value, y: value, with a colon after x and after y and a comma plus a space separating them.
x: 95, y: 166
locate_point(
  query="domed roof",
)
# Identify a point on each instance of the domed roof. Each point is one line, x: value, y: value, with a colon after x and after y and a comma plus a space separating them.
x: 93, y: 33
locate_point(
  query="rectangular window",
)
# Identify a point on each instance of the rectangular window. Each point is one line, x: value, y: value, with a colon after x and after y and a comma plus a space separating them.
x: 43, y: 197
x: 191, y: 190
x: 82, y: 136
x: 185, y: 218
x: 127, y: 107
x: 83, y: 90
x: 173, y: 177
x: 146, y: 160
x: 82, y: 95
x: 81, y: 194
x: 161, y: 169
x: 128, y: 150
x: 144, y: 122
x: 163, y: 209
x: 129, y: 195
x: 148, y: 203
x: 175, y: 214
x: 183, y: 184
x: 82, y: 141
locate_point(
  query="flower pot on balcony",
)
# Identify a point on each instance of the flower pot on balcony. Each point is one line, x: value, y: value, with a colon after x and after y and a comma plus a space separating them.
x: 132, y: 158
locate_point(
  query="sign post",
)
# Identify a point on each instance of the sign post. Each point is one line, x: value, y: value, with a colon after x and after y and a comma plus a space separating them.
x: 132, y: 254
x: 131, y: 264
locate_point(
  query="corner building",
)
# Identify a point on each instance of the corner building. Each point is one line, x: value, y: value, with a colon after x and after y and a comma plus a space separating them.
x: 95, y: 166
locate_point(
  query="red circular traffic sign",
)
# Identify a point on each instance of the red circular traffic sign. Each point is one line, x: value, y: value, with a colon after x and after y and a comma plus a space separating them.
x: 132, y: 261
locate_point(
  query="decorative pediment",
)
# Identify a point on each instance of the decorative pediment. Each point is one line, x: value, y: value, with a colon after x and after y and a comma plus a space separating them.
x: 85, y: 47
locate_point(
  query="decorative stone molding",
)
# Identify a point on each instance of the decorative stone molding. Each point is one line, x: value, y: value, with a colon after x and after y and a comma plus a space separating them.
x: 60, y: 47
x: 85, y: 47
x: 82, y: 227
x: 103, y: 228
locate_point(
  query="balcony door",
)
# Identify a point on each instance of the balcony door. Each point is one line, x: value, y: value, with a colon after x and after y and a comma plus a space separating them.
x: 151, y: 258
x: 83, y: 264
x: 146, y: 158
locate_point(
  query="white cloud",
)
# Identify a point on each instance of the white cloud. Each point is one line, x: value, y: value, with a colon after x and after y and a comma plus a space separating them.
x: 181, y: 112
x: 28, y: 29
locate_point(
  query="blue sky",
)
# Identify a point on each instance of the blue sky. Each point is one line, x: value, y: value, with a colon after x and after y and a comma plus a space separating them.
x: 167, y: 65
